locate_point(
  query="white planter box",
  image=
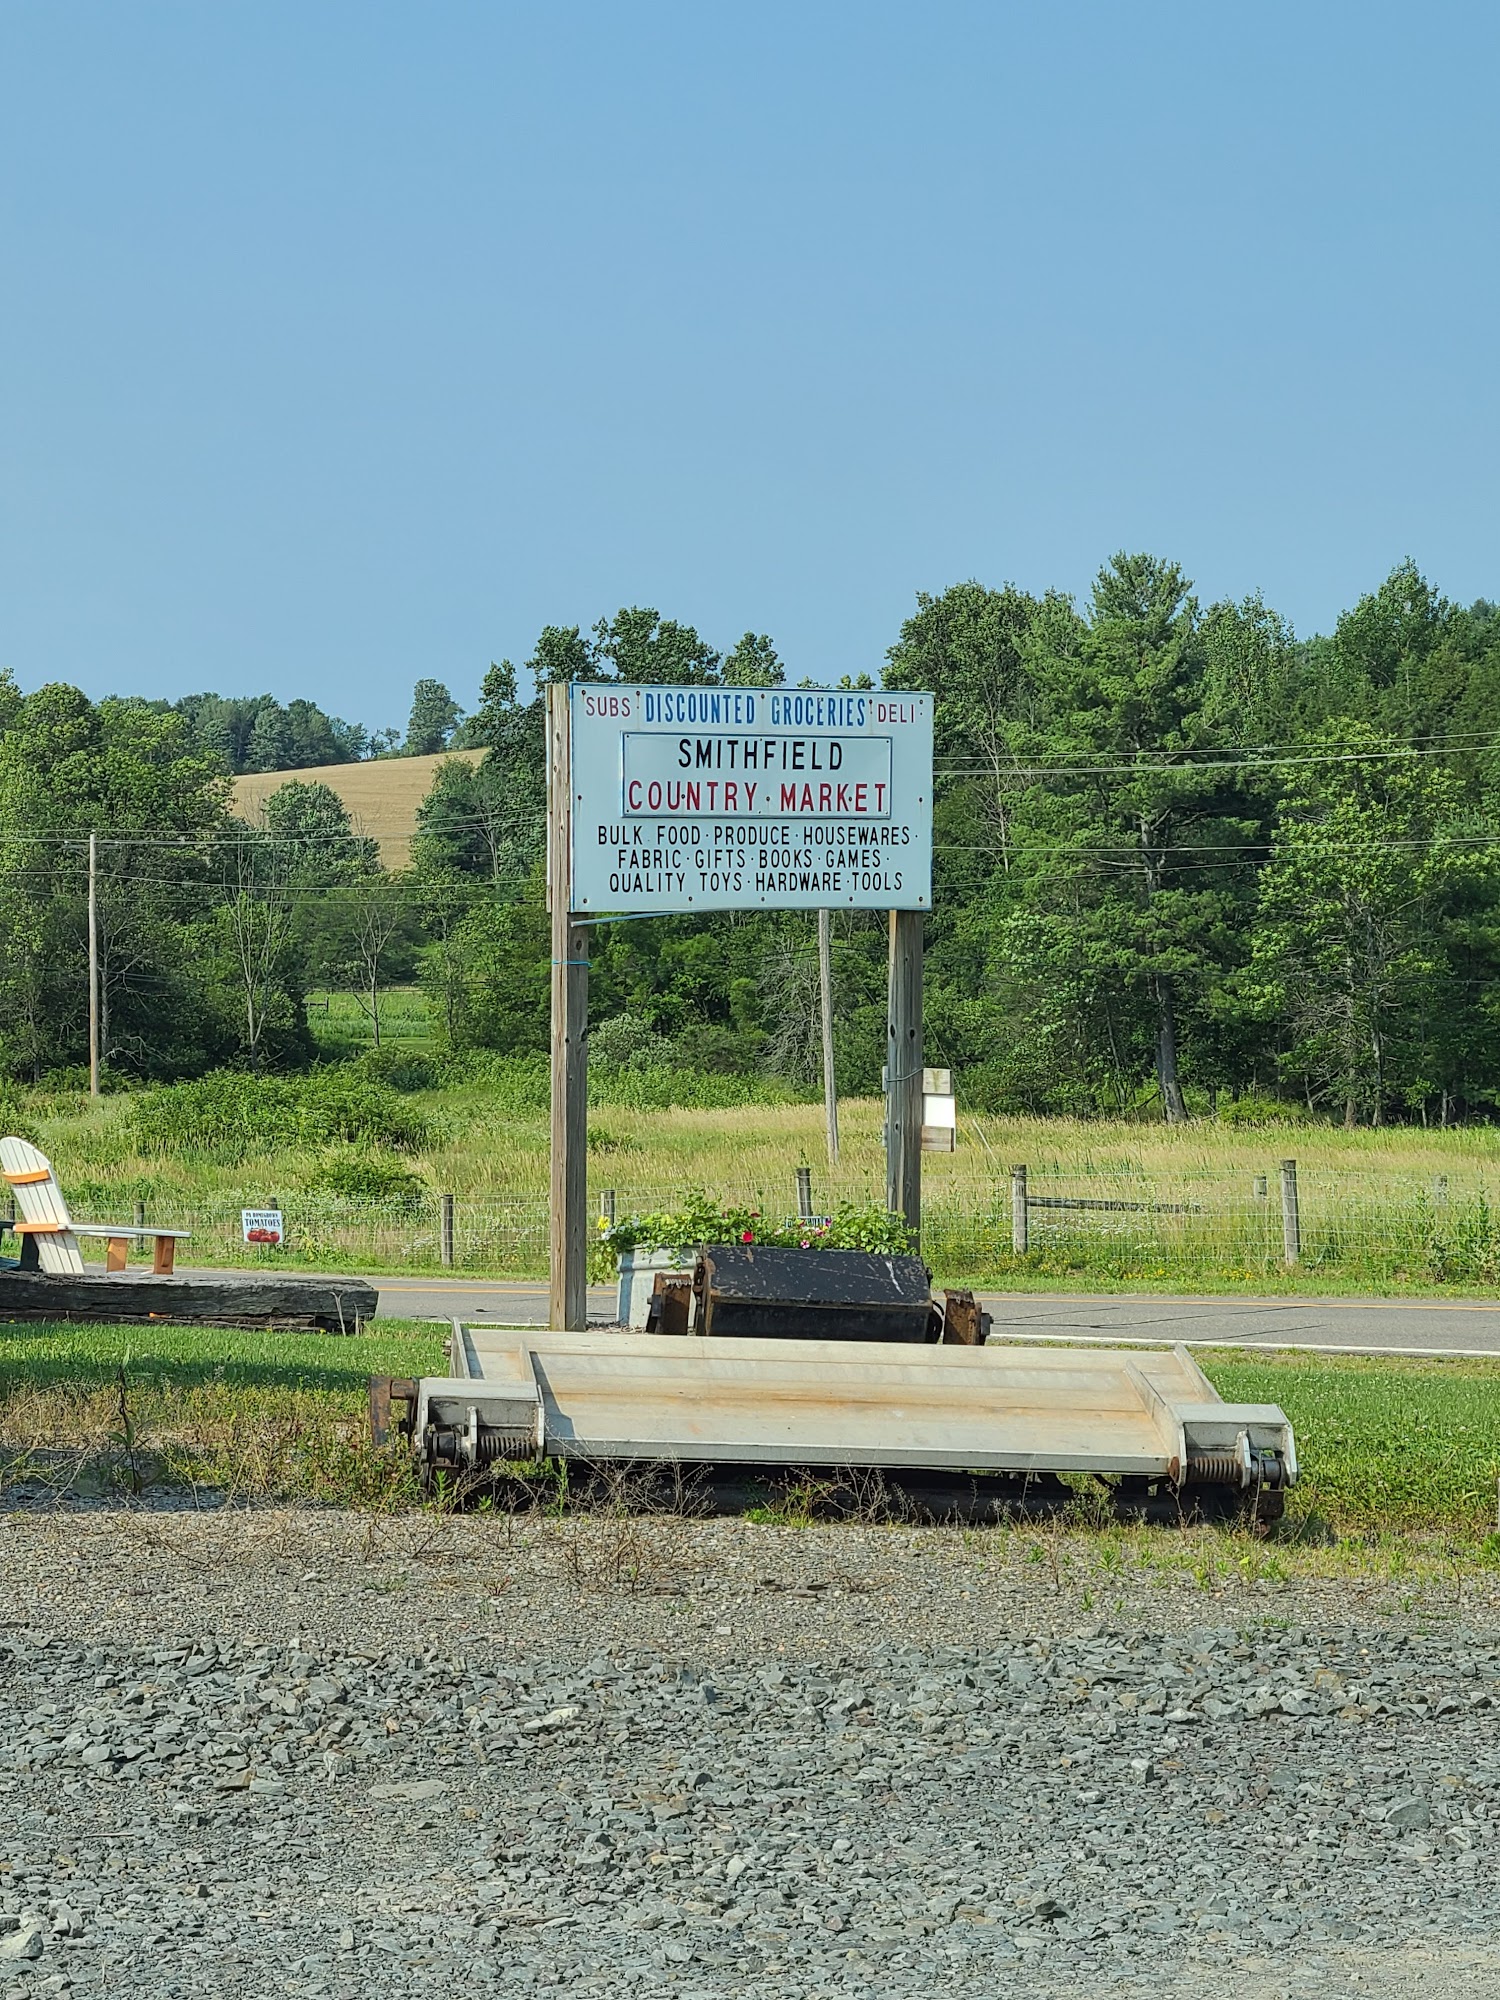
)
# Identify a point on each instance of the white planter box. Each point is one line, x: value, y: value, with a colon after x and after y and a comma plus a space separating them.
x: 638, y: 1274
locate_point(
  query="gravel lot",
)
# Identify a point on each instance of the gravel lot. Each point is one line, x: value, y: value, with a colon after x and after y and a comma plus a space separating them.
x: 247, y: 1754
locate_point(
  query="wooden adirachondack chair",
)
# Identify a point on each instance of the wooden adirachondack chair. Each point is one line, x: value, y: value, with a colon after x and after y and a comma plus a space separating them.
x: 42, y: 1220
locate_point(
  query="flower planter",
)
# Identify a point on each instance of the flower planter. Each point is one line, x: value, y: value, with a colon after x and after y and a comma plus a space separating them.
x: 638, y: 1271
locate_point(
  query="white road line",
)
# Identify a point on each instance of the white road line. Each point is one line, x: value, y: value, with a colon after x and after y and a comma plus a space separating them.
x: 1270, y: 1346
x: 1240, y: 1301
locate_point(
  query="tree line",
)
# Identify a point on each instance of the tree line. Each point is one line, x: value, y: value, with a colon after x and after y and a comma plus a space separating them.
x: 1184, y: 860
x: 258, y: 733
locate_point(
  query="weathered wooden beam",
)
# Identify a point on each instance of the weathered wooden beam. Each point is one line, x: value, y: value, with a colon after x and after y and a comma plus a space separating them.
x: 337, y: 1305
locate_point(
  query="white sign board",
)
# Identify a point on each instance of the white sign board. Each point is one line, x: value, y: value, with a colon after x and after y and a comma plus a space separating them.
x: 717, y: 798
x: 261, y: 1225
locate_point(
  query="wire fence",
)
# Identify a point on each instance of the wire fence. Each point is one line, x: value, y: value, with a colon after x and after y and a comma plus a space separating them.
x: 1108, y: 1225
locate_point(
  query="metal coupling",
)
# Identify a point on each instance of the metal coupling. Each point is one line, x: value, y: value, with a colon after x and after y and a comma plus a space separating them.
x: 1245, y: 1468
x: 1215, y: 1468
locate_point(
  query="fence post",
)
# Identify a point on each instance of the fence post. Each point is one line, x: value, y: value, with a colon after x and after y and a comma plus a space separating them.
x: 607, y: 1207
x: 1291, y: 1216
x: 140, y: 1215
x: 804, y: 1194
x: 1261, y: 1187
x: 1020, y: 1223
x: 445, y: 1230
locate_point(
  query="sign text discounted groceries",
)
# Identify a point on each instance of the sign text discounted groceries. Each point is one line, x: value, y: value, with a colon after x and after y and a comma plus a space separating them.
x: 712, y: 798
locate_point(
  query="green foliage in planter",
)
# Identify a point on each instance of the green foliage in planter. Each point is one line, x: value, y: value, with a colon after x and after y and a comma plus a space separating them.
x: 702, y: 1219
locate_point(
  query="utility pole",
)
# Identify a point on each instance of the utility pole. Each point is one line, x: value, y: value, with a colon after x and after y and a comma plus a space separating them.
x: 825, y: 997
x: 93, y: 965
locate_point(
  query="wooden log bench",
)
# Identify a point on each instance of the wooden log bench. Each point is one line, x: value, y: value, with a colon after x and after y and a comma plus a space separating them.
x: 218, y: 1298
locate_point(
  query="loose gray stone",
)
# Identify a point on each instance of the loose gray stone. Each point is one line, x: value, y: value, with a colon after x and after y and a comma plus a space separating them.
x: 1408, y: 1815
x: 25, y: 1943
x: 932, y: 1798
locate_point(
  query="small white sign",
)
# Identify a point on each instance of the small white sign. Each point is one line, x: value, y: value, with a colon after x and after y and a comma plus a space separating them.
x: 939, y: 1112
x: 717, y: 798
x: 261, y: 1225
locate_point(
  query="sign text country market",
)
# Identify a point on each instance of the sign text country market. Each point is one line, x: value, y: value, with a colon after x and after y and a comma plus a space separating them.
x: 732, y: 795
x: 756, y: 776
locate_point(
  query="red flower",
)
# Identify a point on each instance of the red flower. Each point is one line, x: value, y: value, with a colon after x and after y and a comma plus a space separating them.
x: 747, y: 1236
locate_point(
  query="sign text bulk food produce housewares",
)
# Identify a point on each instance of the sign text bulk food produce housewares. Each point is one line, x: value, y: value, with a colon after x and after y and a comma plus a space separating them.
x: 712, y: 798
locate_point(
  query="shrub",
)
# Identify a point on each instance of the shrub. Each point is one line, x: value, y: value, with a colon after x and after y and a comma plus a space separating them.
x: 628, y: 1041
x: 229, y: 1115
x: 369, y: 1179
x: 660, y: 1088
x: 14, y: 1120
x: 70, y: 1081
x: 402, y: 1069
x: 1254, y: 1111
x: 514, y: 1083
x: 340, y: 1106
x: 1458, y: 1245
x: 522, y: 1084
x: 710, y: 1046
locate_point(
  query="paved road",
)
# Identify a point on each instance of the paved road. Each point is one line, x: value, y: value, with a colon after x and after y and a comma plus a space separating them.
x: 1353, y: 1326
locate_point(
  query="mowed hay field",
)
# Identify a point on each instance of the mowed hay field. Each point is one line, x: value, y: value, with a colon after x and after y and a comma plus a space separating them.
x: 1390, y: 1211
x: 382, y: 795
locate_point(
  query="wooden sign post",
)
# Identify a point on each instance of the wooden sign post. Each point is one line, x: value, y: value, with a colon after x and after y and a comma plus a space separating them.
x: 903, y: 1071
x: 570, y: 1026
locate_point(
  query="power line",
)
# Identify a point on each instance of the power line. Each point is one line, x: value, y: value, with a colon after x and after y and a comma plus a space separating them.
x: 417, y: 890
x: 1139, y: 769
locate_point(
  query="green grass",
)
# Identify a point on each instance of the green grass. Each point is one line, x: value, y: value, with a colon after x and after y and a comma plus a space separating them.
x: 246, y: 1414
x: 341, y: 1026
x: 1383, y: 1443
x: 45, y: 1353
x: 1389, y: 1447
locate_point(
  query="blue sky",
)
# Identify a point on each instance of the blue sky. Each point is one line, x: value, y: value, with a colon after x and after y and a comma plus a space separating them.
x: 347, y: 343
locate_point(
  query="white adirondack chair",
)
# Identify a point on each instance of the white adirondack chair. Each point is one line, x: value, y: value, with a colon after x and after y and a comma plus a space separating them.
x: 42, y: 1214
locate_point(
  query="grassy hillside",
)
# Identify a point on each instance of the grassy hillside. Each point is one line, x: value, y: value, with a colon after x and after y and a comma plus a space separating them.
x: 382, y: 795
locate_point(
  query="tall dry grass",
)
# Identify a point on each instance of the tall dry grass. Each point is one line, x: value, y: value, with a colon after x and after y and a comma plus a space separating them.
x: 1388, y: 1210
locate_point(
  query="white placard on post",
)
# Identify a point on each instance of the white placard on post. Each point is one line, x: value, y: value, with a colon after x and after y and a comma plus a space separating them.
x: 939, y: 1111
x: 261, y: 1226
x: 715, y: 798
